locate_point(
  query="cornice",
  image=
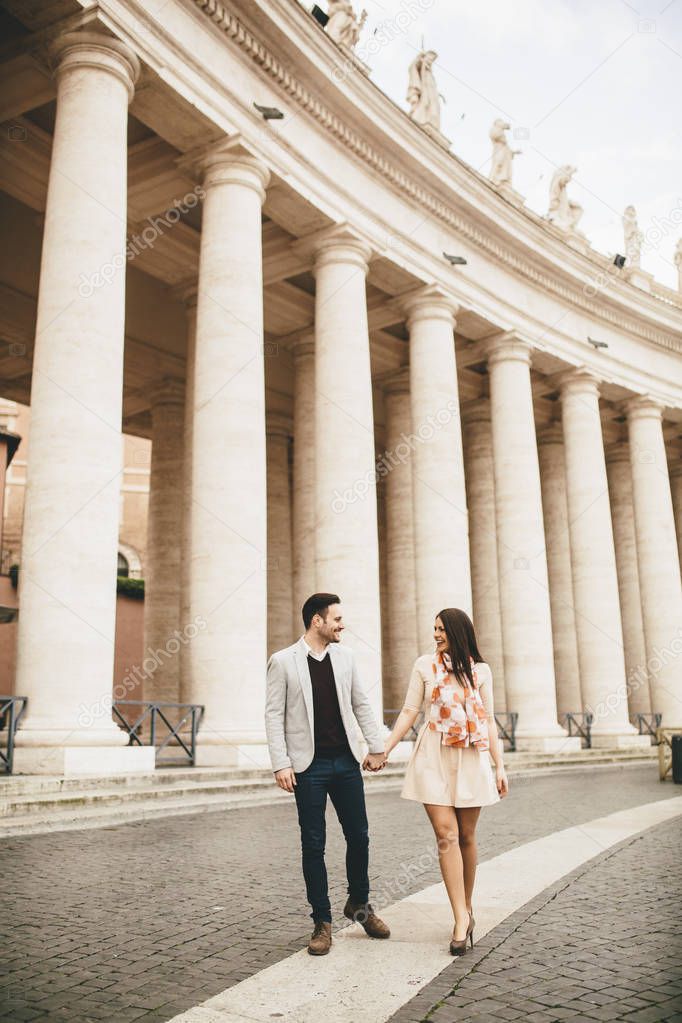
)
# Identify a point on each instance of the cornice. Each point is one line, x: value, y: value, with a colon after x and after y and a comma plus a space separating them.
x: 253, y: 48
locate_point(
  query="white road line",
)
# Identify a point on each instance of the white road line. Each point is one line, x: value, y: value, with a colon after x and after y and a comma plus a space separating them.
x: 365, y: 981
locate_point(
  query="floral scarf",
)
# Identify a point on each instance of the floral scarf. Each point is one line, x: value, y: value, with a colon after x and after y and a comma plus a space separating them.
x: 457, y: 713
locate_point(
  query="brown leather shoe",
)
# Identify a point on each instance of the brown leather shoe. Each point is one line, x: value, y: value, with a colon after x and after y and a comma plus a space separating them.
x: 321, y: 938
x: 363, y: 914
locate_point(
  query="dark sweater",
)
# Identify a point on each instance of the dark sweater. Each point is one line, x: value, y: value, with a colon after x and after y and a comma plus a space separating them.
x: 330, y: 735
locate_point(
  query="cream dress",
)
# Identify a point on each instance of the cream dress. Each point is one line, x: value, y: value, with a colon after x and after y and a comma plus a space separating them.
x: 447, y: 775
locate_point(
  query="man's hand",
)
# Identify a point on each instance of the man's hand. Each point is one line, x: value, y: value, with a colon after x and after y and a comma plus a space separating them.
x: 374, y: 761
x: 286, y: 779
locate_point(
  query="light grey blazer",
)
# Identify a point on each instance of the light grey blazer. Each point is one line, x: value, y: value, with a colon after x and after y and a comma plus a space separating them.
x: 289, y: 723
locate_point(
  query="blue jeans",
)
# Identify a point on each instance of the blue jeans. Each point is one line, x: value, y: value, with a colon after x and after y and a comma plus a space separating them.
x: 340, y: 779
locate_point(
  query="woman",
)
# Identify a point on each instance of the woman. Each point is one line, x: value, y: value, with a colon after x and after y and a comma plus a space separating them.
x: 449, y: 770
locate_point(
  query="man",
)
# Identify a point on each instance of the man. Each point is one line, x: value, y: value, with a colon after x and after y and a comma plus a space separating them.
x: 313, y: 700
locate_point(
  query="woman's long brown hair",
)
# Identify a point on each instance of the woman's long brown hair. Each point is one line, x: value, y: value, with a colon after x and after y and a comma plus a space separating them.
x: 462, y: 643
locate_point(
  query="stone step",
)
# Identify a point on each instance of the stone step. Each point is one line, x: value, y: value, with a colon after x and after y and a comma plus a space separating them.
x: 98, y: 814
x: 19, y: 784
x: 39, y: 800
x: 32, y: 805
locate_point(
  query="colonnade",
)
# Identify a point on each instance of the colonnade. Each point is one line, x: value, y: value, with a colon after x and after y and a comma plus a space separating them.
x: 567, y: 559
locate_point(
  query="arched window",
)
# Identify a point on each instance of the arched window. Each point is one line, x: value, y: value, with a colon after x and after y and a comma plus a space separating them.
x: 129, y: 563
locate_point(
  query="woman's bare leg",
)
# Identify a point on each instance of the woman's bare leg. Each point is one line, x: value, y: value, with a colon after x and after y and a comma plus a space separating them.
x: 467, y: 819
x: 444, y: 823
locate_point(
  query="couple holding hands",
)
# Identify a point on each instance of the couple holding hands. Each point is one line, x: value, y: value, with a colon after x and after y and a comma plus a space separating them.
x: 314, y: 699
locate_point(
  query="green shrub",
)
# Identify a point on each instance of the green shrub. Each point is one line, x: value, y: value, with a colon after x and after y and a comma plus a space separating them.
x: 128, y: 587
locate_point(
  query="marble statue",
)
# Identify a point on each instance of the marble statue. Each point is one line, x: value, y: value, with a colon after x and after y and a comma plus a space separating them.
x: 563, y: 211
x: 422, y: 92
x: 503, y: 154
x: 633, y: 236
x: 677, y: 259
x: 343, y: 26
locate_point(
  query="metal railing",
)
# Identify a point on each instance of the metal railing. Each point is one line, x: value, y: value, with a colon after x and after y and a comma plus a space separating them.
x: 506, y: 728
x: 390, y: 716
x: 648, y: 724
x: 157, y: 716
x: 579, y: 724
x: 10, y: 717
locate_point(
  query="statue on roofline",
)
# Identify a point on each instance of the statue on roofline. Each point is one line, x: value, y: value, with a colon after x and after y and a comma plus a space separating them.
x: 422, y: 91
x: 633, y: 236
x: 343, y: 26
x: 563, y: 212
x: 503, y: 154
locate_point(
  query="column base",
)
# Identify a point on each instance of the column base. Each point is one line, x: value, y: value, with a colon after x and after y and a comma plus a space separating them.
x: 242, y: 755
x: 548, y: 744
x: 74, y: 761
x: 621, y: 740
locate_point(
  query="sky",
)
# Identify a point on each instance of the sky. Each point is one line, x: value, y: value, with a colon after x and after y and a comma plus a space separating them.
x: 595, y: 84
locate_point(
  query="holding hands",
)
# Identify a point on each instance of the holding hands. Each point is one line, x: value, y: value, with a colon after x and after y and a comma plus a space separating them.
x: 374, y: 762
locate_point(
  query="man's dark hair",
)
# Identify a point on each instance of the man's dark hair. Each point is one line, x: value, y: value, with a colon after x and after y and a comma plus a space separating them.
x: 317, y: 605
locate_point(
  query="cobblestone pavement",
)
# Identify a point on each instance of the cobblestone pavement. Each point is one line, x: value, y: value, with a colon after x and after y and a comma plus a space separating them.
x: 604, y: 943
x: 143, y: 920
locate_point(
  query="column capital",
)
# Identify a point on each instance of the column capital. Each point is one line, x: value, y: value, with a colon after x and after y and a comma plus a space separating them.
x: 578, y: 380
x: 95, y: 49
x: 643, y: 406
x: 552, y: 433
x: 230, y: 161
x: 507, y: 346
x: 186, y: 293
x: 303, y: 346
x: 168, y: 391
x: 618, y: 451
x: 476, y: 411
x: 398, y: 382
x: 428, y: 303
x: 339, y: 243
x: 278, y: 424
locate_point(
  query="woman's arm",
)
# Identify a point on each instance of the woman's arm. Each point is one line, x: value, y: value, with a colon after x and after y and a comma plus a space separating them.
x: 496, y: 749
x: 495, y: 744
x: 496, y: 754
x: 403, y: 723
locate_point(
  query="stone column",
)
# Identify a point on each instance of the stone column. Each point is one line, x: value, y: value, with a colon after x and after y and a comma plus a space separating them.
x: 228, y: 525
x: 304, y: 477
x: 593, y: 562
x: 441, y: 527
x: 657, y: 558
x: 346, y: 535
x: 675, y: 470
x: 66, y: 628
x: 480, y: 487
x: 187, y: 694
x: 555, y: 512
x: 622, y: 517
x: 162, y: 626
x: 522, y: 563
x: 395, y: 465
x: 280, y: 611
